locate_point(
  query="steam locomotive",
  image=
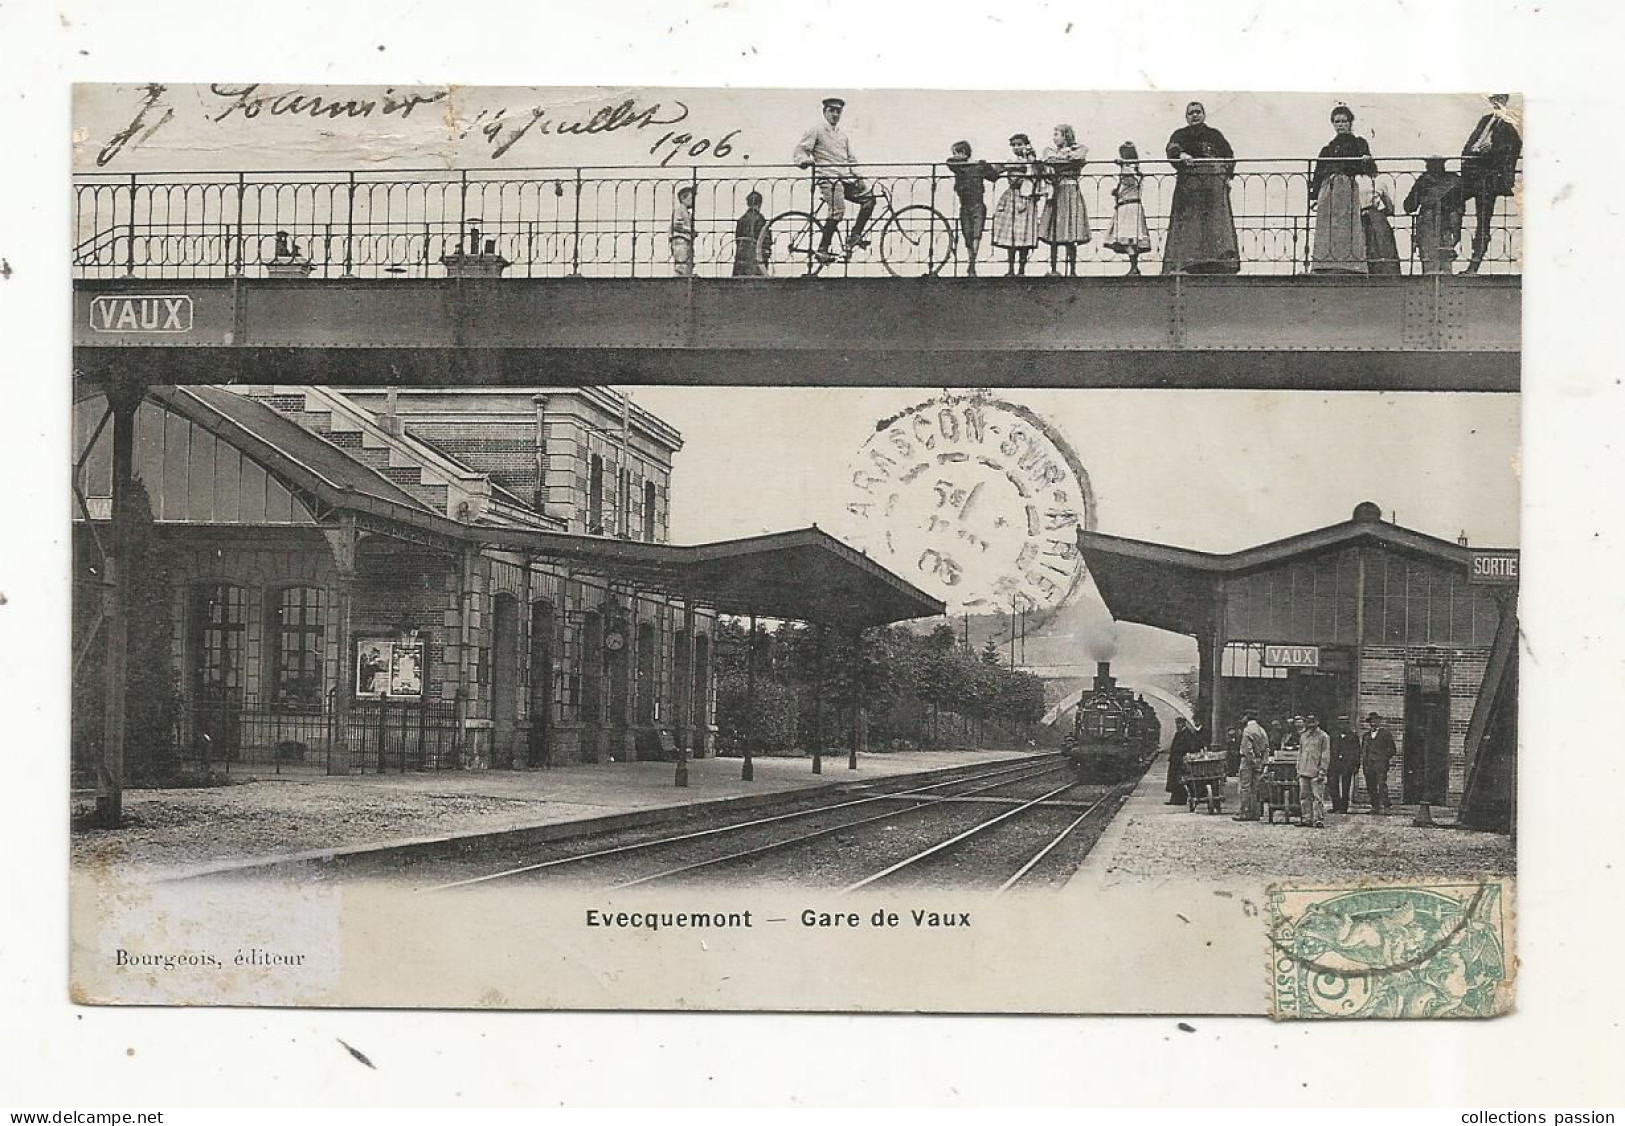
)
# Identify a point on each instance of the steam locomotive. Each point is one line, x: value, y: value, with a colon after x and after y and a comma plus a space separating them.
x: 1115, y: 733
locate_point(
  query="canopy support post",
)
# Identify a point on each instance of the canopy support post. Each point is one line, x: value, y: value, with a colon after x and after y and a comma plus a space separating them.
x: 747, y: 772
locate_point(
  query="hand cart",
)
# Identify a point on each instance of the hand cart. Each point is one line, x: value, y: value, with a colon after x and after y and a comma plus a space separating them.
x: 1204, y: 781
x: 1280, y: 790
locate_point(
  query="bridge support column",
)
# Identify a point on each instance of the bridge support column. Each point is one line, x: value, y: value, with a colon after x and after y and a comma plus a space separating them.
x: 124, y: 395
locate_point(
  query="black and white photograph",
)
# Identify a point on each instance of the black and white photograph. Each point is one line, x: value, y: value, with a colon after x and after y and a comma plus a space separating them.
x: 729, y: 554
x: 633, y: 511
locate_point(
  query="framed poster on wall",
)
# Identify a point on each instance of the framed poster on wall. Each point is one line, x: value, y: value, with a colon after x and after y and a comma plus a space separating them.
x: 388, y: 668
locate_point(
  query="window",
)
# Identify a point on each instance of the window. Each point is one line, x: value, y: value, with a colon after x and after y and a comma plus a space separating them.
x: 298, y: 625
x: 595, y: 496
x: 623, y: 504
x: 218, y: 619
x: 649, y: 512
x: 1246, y: 659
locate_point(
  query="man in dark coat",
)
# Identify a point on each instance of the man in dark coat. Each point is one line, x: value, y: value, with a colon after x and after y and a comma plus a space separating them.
x: 1345, y: 763
x: 1186, y: 742
x: 1376, y: 755
x: 1489, y: 168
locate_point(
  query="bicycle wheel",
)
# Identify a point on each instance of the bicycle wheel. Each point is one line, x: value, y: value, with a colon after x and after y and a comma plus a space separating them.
x: 917, y: 242
x: 789, y: 242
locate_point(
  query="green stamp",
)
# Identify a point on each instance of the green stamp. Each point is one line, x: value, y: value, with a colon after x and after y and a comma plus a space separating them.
x: 1386, y: 951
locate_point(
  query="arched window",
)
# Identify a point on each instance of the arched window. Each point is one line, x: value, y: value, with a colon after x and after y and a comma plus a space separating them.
x: 297, y: 630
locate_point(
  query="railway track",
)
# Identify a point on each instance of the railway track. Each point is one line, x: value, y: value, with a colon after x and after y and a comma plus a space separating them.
x: 846, y: 812
x: 994, y: 827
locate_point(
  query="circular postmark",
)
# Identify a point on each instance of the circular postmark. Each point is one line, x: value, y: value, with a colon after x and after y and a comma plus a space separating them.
x: 976, y: 501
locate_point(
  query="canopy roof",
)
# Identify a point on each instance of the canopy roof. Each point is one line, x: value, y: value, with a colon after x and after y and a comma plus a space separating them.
x: 800, y: 575
x: 1174, y: 588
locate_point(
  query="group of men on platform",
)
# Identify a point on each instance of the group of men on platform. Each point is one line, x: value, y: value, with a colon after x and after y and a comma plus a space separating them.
x: 1320, y: 759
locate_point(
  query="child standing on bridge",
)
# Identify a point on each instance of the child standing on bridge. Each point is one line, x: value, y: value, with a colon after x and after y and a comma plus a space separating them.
x: 970, y: 180
x: 682, y: 233
x: 1129, y: 234
x: 1015, y: 217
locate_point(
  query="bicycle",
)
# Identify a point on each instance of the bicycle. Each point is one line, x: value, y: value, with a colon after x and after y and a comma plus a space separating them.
x: 914, y: 241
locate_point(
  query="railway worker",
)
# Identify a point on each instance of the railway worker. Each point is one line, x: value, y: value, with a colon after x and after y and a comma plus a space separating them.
x: 1255, y: 748
x: 1314, y: 761
x: 1184, y: 743
x: 1345, y: 763
x: 1291, y: 740
x: 1376, y: 756
x: 827, y: 151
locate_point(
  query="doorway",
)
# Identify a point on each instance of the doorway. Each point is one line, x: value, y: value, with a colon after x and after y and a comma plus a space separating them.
x: 505, y: 678
x: 539, y: 743
x: 1426, y: 752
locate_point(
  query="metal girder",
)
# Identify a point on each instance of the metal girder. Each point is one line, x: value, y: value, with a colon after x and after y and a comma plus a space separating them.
x: 1425, y: 332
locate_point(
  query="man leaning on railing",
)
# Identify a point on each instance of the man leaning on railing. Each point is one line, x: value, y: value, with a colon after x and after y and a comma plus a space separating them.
x: 827, y: 150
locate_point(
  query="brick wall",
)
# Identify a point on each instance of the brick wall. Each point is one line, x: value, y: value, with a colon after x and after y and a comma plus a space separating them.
x: 400, y: 587
x: 1382, y: 690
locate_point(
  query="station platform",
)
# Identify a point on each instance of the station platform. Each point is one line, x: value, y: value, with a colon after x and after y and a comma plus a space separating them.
x: 174, y: 833
x: 1151, y: 841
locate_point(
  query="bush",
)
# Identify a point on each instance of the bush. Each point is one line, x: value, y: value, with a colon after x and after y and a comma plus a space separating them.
x: 775, y: 716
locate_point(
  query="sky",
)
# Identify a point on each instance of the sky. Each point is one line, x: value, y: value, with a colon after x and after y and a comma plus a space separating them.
x: 1215, y: 471
x: 279, y: 126
x: 1208, y: 470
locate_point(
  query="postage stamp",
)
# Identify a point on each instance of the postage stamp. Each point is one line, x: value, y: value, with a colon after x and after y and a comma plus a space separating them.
x: 977, y: 500
x: 1387, y: 951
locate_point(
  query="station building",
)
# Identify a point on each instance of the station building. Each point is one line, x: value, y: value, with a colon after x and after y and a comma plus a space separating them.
x: 1358, y: 617
x: 439, y: 579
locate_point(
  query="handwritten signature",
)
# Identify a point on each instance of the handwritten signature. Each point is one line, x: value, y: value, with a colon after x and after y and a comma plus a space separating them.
x: 500, y: 128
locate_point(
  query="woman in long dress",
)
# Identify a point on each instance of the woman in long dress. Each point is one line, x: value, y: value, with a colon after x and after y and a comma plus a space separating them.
x: 1335, y: 195
x: 1016, y: 215
x: 1066, y: 220
x: 1201, y: 227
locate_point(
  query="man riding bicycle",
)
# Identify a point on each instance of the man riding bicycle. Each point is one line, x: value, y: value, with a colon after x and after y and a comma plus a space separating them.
x: 826, y: 149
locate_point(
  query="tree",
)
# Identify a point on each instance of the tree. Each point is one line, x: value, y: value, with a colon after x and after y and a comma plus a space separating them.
x: 152, y: 698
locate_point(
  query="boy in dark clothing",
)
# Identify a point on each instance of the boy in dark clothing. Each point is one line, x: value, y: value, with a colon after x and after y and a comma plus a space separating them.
x: 1437, y: 202
x: 751, y: 252
x: 970, y: 179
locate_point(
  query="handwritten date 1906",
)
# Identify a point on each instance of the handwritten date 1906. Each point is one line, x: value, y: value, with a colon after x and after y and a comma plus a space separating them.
x: 693, y: 146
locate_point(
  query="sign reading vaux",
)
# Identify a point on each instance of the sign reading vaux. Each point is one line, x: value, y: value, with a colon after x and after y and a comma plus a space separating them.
x: 1292, y: 656
x: 145, y: 312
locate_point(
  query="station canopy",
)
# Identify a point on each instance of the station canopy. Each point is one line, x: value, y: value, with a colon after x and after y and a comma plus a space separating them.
x: 1175, y: 588
x: 801, y: 575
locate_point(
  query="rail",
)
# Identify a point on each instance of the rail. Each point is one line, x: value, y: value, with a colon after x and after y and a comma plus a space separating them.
x: 618, y: 221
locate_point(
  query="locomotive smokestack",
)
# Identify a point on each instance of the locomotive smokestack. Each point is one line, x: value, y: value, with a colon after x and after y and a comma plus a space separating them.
x: 1104, y: 681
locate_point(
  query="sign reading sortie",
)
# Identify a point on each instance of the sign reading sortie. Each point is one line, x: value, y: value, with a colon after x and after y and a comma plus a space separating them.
x: 1292, y: 656
x: 1494, y: 568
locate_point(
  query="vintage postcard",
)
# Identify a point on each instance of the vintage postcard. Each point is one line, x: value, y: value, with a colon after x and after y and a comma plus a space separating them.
x: 808, y: 550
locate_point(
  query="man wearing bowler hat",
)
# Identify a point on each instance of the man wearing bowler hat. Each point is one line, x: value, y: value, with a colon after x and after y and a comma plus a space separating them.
x: 826, y: 149
x: 1376, y: 755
